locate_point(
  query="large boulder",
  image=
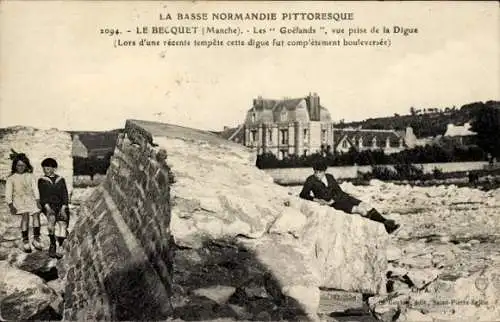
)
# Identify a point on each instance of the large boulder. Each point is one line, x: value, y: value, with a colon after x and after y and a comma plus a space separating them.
x: 23, y: 295
x: 293, y: 267
x: 218, y: 196
x: 350, y: 251
x: 37, y: 262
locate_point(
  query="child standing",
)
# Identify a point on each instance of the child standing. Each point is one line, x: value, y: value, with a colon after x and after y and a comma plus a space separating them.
x: 22, y: 198
x: 54, y: 201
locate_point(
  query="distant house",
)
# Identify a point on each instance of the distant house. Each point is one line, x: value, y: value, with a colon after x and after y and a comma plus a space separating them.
x: 388, y: 141
x: 288, y: 126
x: 460, y: 134
x: 233, y: 134
x: 93, y: 145
x: 302, y: 126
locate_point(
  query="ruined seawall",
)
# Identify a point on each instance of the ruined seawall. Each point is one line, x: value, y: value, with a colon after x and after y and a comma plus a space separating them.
x: 244, y: 248
x: 117, y: 264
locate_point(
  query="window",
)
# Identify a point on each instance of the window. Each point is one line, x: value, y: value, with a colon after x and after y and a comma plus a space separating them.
x: 284, y: 136
x: 305, y: 136
x: 305, y: 152
x: 344, y: 144
x: 374, y: 142
x: 253, y: 117
x: 270, y: 135
x: 323, y: 135
x: 284, y: 154
x: 254, y: 136
x: 283, y: 116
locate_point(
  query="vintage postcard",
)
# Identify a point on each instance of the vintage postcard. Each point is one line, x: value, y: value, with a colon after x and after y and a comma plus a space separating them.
x: 249, y: 160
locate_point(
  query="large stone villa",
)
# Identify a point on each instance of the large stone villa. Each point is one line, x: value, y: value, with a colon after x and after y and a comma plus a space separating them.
x: 302, y: 126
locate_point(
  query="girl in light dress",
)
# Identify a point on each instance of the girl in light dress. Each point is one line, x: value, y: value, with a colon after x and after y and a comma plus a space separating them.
x: 22, y: 197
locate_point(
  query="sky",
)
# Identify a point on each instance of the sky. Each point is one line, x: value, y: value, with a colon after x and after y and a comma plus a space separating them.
x: 58, y: 71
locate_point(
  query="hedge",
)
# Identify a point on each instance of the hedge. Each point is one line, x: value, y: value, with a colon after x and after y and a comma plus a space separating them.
x: 427, y: 154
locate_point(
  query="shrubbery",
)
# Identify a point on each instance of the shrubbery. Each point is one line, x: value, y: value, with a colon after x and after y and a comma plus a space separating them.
x: 487, y: 126
x: 401, y: 171
x: 427, y: 154
x: 381, y: 173
x: 438, y: 173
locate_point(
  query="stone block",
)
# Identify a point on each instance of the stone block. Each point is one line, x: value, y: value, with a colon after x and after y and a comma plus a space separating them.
x: 22, y: 294
x: 348, y: 263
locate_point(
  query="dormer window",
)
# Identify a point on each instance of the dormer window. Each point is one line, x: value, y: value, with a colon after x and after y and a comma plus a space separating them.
x: 387, y: 142
x: 374, y: 142
x: 253, y: 117
x: 283, y: 116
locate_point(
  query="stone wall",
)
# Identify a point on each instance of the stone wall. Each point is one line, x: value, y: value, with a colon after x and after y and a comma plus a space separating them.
x: 37, y: 145
x: 117, y: 264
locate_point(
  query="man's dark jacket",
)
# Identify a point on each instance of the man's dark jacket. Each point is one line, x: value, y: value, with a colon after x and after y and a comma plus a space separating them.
x: 342, y: 200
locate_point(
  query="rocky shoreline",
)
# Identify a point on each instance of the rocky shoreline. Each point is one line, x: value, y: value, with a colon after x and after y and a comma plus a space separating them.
x: 30, y: 286
x: 442, y: 265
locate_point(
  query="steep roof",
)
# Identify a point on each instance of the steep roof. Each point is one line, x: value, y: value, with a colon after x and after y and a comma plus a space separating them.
x: 288, y: 104
x: 367, y: 136
x: 97, y: 140
x: 233, y: 134
x: 298, y: 109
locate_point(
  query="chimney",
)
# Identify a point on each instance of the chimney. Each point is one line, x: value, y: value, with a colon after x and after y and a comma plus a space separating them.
x: 313, y: 106
x: 258, y: 102
x: 317, y: 106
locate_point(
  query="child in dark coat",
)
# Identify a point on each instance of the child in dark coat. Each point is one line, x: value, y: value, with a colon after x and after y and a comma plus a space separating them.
x: 326, y: 191
x: 54, y: 201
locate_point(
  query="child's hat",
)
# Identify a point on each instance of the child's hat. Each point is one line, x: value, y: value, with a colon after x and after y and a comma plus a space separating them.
x: 49, y: 162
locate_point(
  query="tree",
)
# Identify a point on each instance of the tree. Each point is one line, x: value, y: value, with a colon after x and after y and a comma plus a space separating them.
x: 487, y: 126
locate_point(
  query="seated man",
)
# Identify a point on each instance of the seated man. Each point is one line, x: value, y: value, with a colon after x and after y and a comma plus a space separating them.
x: 327, y: 191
